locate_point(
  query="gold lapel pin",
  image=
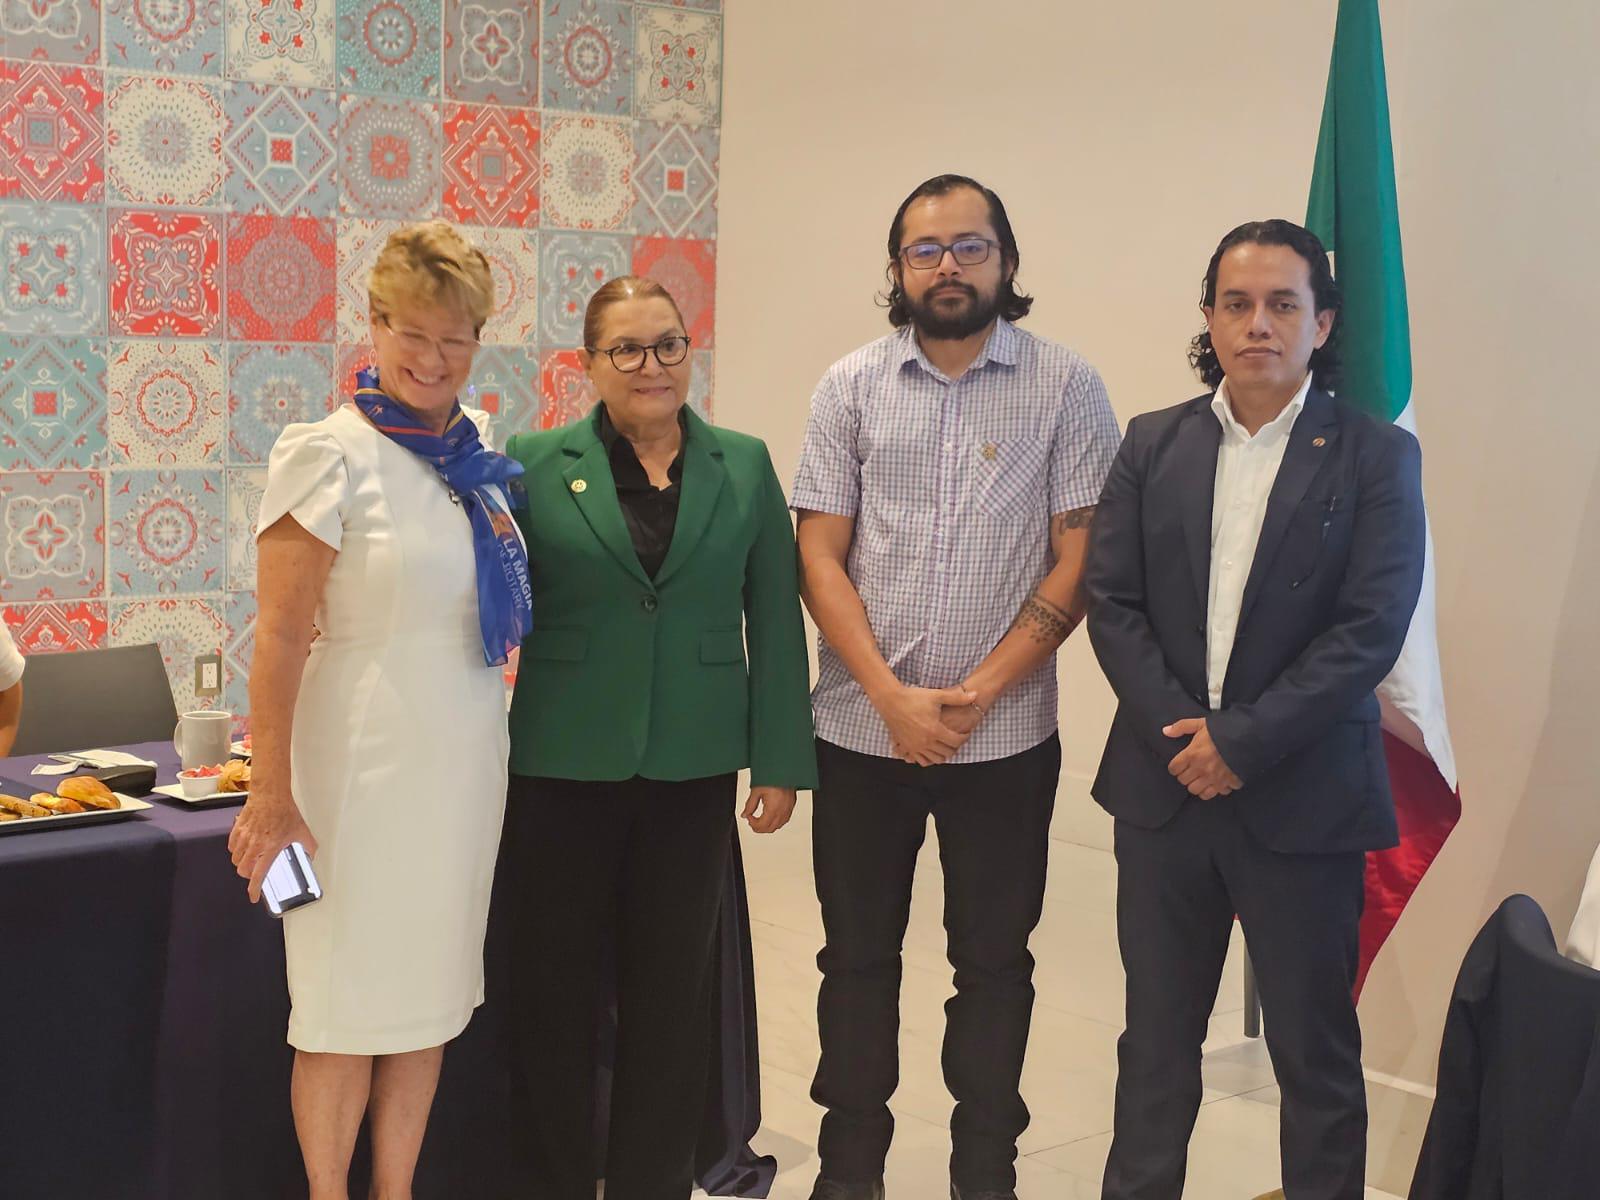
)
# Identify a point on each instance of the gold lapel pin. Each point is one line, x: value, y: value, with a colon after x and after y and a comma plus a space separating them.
x: 1321, y: 441
x: 990, y: 450
x: 579, y: 486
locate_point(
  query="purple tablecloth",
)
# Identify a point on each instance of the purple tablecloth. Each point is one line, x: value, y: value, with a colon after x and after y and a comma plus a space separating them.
x: 142, y: 1055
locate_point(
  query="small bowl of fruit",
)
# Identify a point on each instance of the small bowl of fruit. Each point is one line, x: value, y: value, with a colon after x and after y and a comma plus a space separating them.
x: 198, y: 782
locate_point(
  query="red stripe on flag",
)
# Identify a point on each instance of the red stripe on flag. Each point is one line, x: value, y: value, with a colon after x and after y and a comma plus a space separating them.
x: 1427, y: 810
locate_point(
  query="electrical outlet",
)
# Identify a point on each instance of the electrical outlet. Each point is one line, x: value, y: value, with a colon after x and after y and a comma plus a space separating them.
x: 208, y: 674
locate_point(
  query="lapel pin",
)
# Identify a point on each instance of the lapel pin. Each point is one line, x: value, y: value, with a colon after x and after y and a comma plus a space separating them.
x: 1321, y: 441
x: 579, y: 486
x: 990, y: 450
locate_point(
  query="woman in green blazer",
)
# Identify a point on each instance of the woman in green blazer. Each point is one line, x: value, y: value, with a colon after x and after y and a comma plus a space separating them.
x: 661, y: 553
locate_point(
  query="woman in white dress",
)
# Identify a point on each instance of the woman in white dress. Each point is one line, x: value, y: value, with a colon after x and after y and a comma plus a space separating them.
x: 386, y: 527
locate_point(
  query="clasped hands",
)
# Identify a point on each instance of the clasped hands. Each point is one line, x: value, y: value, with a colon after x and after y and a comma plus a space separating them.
x: 1199, y: 766
x: 927, y: 726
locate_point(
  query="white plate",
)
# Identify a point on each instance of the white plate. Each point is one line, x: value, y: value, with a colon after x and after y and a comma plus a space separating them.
x: 239, y: 750
x: 93, y: 816
x: 175, y: 790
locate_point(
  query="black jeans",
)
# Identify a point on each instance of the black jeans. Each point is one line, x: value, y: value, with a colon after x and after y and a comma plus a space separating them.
x: 1178, y: 888
x: 636, y: 866
x: 993, y: 824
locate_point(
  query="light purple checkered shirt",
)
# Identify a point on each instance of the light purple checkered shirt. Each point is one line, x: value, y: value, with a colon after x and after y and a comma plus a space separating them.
x: 952, y: 486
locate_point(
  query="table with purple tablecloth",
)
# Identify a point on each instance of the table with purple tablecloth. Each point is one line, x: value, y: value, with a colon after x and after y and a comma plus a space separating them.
x: 143, y: 1007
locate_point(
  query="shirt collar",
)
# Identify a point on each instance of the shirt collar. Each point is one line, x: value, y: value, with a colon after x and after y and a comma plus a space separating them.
x: 625, y: 458
x: 1278, y: 426
x: 1000, y: 347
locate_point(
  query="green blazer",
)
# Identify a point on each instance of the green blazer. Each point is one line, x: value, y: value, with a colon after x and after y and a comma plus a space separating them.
x: 626, y: 676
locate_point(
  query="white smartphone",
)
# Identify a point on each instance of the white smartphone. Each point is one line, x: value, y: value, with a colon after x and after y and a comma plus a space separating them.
x: 290, y: 881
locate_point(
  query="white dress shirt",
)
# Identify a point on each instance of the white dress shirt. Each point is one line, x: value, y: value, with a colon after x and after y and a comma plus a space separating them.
x: 1247, y: 467
x: 10, y: 661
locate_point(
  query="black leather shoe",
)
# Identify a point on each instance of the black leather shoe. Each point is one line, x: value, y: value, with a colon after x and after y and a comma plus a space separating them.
x: 833, y: 1189
x: 957, y: 1193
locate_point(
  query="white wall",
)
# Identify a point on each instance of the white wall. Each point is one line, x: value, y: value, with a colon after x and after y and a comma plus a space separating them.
x: 1126, y: 138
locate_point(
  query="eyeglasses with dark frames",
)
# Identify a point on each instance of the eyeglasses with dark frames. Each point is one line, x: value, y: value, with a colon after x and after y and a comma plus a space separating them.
x: 629, y: 357
x: 968, y: 252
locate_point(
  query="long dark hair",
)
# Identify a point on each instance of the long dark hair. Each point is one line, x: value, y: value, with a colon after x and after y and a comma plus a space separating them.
x: 1014, y: 305
x: 1324, y: 294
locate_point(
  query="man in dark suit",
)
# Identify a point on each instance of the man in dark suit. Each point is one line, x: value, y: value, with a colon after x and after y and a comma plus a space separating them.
x: 1252, y: 571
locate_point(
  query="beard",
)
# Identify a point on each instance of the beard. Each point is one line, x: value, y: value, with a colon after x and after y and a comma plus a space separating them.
x: 952, y: 325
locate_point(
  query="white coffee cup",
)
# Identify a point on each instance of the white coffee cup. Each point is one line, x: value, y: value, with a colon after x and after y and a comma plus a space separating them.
x: 202, y: 737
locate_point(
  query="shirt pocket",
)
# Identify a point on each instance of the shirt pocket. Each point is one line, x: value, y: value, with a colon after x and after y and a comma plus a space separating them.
x: 1008, y: 476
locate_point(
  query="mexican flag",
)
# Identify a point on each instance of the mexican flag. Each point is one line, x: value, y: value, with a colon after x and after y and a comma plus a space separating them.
x: 1354, y: 211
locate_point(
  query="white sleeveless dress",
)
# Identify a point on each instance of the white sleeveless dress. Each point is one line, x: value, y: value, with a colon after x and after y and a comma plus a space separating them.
x: 399, y: 747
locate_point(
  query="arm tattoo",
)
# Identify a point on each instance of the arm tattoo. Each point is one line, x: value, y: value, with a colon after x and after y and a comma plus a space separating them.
x: 1077, y: 518
x: 1044, y: 622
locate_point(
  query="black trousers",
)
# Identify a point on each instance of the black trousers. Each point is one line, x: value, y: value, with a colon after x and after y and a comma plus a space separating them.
x: 993, y: 823
x: 1178, y: 888
x: 636, y: 867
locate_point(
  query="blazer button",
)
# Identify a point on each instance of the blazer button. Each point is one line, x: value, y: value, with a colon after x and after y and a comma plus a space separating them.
x: 649, y: 604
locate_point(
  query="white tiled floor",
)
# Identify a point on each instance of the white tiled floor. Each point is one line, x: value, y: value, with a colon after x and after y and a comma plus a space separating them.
x: 1071, y: 1067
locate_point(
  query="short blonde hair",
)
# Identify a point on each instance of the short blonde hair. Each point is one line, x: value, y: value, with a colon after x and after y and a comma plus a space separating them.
x: 430, y: 263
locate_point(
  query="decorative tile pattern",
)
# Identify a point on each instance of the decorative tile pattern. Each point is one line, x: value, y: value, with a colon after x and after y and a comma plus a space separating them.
x: 678, y: 76
x: 281, y: 41
x: 701, y: 381
x: 491, y: 165
x: 588, y: 172
x: 513, y: 256
x: 505, y: 384
x: 572, y: 267
x: 52, y: 536
x: 51, y: 628
x: 165, y: 277
x: 165, y: 532
x: 389, y: 156
x: 63, y: 31
x: 166, y: 403
x: 52, y: 404
x: 280, y: 151
x: 688, y: 270
x: 566, y: 394
x: 270, y: 387
x: 675, y: 181
x: 280, y: 279
x: 184, y: 629
x: 52, y: 133
x: 192, y: 195
x: 52, y: 269
x: 588, y: 56
x: 389, y: 46
x: 358, y: 247
x: 164, y: 141
x: 245, y: 487
x: 491, y: 51
x: 163, y: 36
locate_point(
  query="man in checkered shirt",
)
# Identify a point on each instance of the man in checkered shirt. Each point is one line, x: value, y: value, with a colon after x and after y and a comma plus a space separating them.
x: 944, y: 496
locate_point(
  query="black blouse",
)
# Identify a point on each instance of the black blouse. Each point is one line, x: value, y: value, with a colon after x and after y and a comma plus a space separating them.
x: 650, y: 512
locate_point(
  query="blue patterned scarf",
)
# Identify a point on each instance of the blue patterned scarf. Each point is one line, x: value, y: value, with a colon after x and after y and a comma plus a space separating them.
x: 487, y: 485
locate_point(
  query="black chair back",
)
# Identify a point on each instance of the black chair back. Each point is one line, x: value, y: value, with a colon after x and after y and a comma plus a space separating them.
x: 1518, y: 1110
x: 90, y: 698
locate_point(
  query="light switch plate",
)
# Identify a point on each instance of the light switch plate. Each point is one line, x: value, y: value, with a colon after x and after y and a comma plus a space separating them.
x: 208, y: 675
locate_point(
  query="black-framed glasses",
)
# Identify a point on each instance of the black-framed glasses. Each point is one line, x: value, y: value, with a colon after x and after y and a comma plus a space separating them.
x: 417, y: 342
x: 630, y: 356
x: 968, y: 252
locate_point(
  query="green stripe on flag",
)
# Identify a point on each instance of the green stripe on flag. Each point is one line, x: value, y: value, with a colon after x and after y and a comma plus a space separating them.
x: 1354, y: 211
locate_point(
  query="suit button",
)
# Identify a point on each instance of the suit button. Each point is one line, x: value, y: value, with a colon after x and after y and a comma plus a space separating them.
x: 649, y: 604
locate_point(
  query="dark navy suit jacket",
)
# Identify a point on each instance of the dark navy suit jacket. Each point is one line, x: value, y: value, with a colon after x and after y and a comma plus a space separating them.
x: 1327, y: 603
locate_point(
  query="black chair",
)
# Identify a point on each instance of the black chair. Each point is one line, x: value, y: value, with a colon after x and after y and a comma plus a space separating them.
x: 94, y: 698
x: 1518, y: 1110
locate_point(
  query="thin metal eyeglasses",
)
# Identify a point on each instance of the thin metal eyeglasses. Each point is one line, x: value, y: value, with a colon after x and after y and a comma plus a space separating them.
x: 417, y: 342
x: 629, y: 357
x: 969, y: 252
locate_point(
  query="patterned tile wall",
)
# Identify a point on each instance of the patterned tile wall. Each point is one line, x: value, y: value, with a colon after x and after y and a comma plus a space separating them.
x: 191, y: 194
